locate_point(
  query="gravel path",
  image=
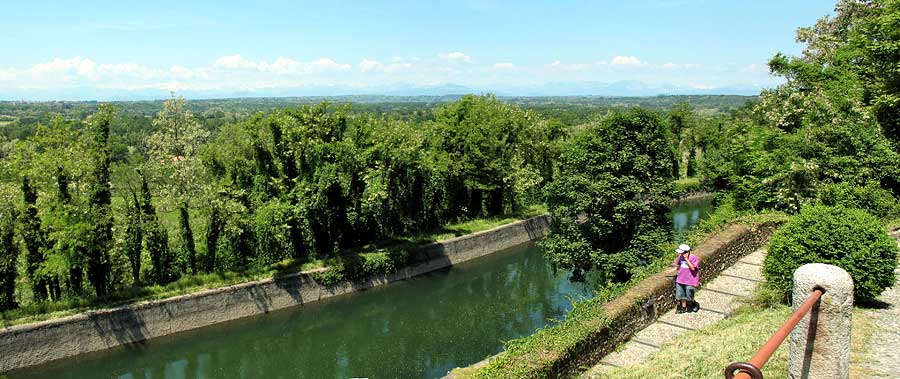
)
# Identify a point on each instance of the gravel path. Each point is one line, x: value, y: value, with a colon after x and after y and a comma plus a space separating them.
x: 883, y: 355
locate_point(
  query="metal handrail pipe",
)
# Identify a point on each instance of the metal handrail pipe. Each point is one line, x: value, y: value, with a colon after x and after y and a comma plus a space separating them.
x: 752, y: 369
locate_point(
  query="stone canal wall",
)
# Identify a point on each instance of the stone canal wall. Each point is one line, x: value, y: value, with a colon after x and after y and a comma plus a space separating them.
x: 37, y: 343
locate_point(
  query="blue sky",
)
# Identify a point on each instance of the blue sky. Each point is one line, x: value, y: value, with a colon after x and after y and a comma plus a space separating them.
x: 262, y: 45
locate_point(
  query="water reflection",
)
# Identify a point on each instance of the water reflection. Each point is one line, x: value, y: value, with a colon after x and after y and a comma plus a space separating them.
x: 420, y: 328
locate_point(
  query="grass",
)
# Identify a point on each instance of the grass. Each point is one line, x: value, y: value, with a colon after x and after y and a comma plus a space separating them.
x: 688, y: 184
x: 193, y: 283
x: 705, y: 353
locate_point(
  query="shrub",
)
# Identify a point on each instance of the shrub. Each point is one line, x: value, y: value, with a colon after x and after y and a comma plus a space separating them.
x: 874, y: 199
x: 845, y: 237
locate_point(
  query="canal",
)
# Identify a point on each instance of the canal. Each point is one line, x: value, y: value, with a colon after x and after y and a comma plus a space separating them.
x: 417, y: 328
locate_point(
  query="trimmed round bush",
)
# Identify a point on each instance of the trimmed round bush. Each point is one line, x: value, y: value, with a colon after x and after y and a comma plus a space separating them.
x: 849, y: 238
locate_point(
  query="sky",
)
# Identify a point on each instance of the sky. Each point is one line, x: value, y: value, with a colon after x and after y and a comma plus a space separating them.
x: 77, y: 50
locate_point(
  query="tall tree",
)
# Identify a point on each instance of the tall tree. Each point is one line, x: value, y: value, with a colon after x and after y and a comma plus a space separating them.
x: 99, y: 201
x: 33, y: 239
x: 176, y: 165
x: 9, y: 252
x: 134, y: 237
x: 156, y: 240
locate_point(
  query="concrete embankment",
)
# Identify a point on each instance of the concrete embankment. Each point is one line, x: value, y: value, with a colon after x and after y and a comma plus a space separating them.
x: 37, y: 343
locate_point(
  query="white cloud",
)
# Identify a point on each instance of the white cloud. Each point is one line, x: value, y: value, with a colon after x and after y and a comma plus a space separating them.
x: 754, y: 68
x: 626, y: 61
x: 281, y: 65
x: 234, y: 61
x: 457, y: 56
x: 558, y: 65
x: 181, y: 71
x: 64, y: 68
x: 398, y: 67
x: 366, y: 65
x: 236, y: 72
x: 676, y: 66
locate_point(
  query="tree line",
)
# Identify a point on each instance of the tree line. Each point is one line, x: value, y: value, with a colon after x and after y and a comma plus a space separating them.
x: 84, y: 217
x: 298, y: 183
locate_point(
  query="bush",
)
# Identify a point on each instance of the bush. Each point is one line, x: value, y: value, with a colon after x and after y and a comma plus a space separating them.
x: 874, y: 199
x: 845, y: 237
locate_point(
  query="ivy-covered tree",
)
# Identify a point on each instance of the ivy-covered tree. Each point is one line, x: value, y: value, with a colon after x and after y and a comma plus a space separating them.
x: 99, y: 202
x: 156, y: 240
x: 9, y: 252
x: 134, y: 237
x: 482, y: 138
x: 33, y: 239
x: 608, y: 205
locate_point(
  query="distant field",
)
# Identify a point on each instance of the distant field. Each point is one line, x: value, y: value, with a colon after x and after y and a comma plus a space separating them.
x: 6, y: 120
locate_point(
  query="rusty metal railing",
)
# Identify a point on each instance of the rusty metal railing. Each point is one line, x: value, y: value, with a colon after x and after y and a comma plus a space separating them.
x: 753, y: 368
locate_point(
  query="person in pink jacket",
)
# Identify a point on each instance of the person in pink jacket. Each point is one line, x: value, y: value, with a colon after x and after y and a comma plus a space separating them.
x: 687, y: 280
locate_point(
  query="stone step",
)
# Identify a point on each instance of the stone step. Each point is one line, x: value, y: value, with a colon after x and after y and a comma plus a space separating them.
x: 719, y: 302
x: 659, y: 333
x: 756, y: 257
x: 745, y: 270
x: 633, y: 351
x: 692, y: 321
x: 737, y: 286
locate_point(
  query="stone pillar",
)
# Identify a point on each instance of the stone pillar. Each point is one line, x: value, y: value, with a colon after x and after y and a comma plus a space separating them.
x: 820, y: 344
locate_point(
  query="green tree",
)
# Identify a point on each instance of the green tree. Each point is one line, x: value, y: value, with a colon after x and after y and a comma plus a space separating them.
x: 99, y: 202
x: 33, y: 239
x: 9, y: 252
x: 608, y: 205
x: 174, y: 153
x: 134, y: 237
x: 492, y: 147
x: 156, y: 240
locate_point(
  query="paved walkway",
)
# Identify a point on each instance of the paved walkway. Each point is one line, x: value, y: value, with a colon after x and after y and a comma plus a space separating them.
x: 883, y: 355
x: 717, y: 299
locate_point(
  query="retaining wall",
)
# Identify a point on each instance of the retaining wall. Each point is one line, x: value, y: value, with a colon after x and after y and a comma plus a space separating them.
x: 37, y: 343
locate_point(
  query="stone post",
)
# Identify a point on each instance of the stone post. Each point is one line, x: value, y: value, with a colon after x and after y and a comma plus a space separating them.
x: 820, y: 344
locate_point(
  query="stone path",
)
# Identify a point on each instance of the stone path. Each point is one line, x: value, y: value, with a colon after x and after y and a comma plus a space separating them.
x: 717, y: 299
x: 883, y: 355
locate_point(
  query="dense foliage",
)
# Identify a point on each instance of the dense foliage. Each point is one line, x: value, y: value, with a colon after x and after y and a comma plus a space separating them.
x: 608, y: 206
x: 825, y: 136
x: 118, y: 198
x: 296, y: 184
x: 845, y: 237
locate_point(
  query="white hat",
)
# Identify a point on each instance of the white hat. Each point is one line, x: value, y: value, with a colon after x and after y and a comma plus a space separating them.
x: 679, y: 251
x: 683, y: 248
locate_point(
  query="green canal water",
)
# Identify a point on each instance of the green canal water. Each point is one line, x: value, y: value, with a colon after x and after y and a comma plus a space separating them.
x: 418, y: 328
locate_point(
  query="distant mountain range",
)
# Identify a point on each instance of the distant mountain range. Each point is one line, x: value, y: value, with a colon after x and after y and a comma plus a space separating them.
x: 620, y: 88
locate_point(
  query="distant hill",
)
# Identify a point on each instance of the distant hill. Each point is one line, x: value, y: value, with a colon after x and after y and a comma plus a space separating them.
x: 618, y: 89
